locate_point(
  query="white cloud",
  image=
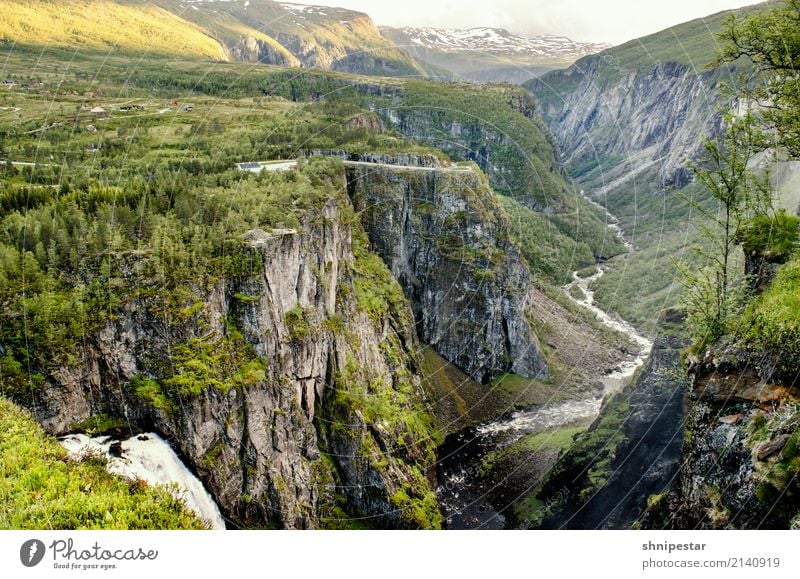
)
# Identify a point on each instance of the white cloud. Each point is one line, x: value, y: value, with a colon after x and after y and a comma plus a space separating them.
x: 601, y: 21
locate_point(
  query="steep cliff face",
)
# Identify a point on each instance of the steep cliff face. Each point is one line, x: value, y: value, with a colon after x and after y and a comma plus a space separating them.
x: 741, y: 452
x: 630, y: 452
x: 657, y: 116
x: 440, y: 232
x: 300, y: 385
x: 261, y: 49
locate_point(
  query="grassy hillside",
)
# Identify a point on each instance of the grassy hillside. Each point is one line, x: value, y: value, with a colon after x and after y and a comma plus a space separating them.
x: 41, y: 489
x: 262, y: 31
x: 330, y: 38
x: 104, y: 25
x: 692, y: 43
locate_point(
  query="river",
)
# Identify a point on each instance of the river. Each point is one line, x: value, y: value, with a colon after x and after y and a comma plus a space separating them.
x: 467, y: 499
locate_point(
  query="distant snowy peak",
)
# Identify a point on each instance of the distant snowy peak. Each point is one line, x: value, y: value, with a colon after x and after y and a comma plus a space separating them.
x: 497, y: 40
x: 305, y: 8
x: 329, y: 12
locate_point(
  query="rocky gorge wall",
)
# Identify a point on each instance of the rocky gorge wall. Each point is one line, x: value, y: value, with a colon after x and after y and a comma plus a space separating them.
x: 657, y: 116
x: 741, y: 456
x: 289, y: 391
x: 443, y: 236
x: 294, y: 387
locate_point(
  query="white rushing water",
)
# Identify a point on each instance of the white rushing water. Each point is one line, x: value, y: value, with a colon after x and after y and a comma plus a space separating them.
x: 617, y: 379
x: 542, y: 418
x: 548, y: 416
x: 149, y: 457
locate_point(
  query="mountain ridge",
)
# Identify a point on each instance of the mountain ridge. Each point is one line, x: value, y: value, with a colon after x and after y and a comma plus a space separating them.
x: 487, y: 54
x: 261, y: 31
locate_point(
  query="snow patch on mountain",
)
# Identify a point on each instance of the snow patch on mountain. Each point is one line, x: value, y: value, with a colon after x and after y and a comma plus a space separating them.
x: 498, y: 41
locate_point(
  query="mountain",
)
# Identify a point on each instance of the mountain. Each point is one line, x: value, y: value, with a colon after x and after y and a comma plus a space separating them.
x: 314, y: 36
x: 305, y: 338
x: 259, y: 31
x: 628, y: 122
x: 489, y: 54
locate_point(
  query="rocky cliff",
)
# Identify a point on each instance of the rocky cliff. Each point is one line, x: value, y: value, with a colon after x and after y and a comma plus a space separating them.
x: 441, y: 233
x: 656, y: 116
x: 292, y: 389
x: 631, y: 451
x: 741, y: 455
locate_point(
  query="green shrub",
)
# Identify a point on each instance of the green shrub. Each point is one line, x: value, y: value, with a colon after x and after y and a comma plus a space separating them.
x: 771, y: 322
x: 772, y: 237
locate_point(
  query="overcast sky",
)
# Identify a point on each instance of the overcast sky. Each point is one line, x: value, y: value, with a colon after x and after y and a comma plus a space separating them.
x: 613, y: 21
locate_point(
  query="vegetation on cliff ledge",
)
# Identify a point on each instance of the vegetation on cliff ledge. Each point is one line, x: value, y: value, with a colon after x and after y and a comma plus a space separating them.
x: 40, y: 488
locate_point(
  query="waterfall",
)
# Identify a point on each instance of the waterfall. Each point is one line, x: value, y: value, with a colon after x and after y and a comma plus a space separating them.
x: 149, y: 457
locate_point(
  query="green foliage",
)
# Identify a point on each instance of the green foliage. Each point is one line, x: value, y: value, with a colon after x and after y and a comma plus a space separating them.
x: 100, y: 424
x: 223, y: 364
x: 423, y: 511
x: 152, y: 393
x: 771, y: 322
x: 298, y: 322
x: 772, y: 237
x: 713, y: 293
x: 769, y: 40
x: 43, y: 490
x: 577, y: 293
x: 377, y: 292
x: 559, y: 439
x: 142, y: 28
x: 15, y: 380
x: 596, y: 449
x: 497, y: 130
x: 551, y: 254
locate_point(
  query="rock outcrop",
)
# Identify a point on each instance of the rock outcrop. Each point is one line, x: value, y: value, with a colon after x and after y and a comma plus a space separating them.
x: 741, y: 452
x: 652, y: 117
x: 263, y: 51
x: 321, y: 404
x: 441, y: 233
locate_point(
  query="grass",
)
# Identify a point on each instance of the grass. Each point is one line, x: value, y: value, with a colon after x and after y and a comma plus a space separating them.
x: 559, y: 439
x: 692, y: 44
x: 662, y: 225
x: 41, y: 489
x: 104, y: 25
x: 771, y: 322
x: 551, y: 254
x: 530, y: 509
x: 451, y: 389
